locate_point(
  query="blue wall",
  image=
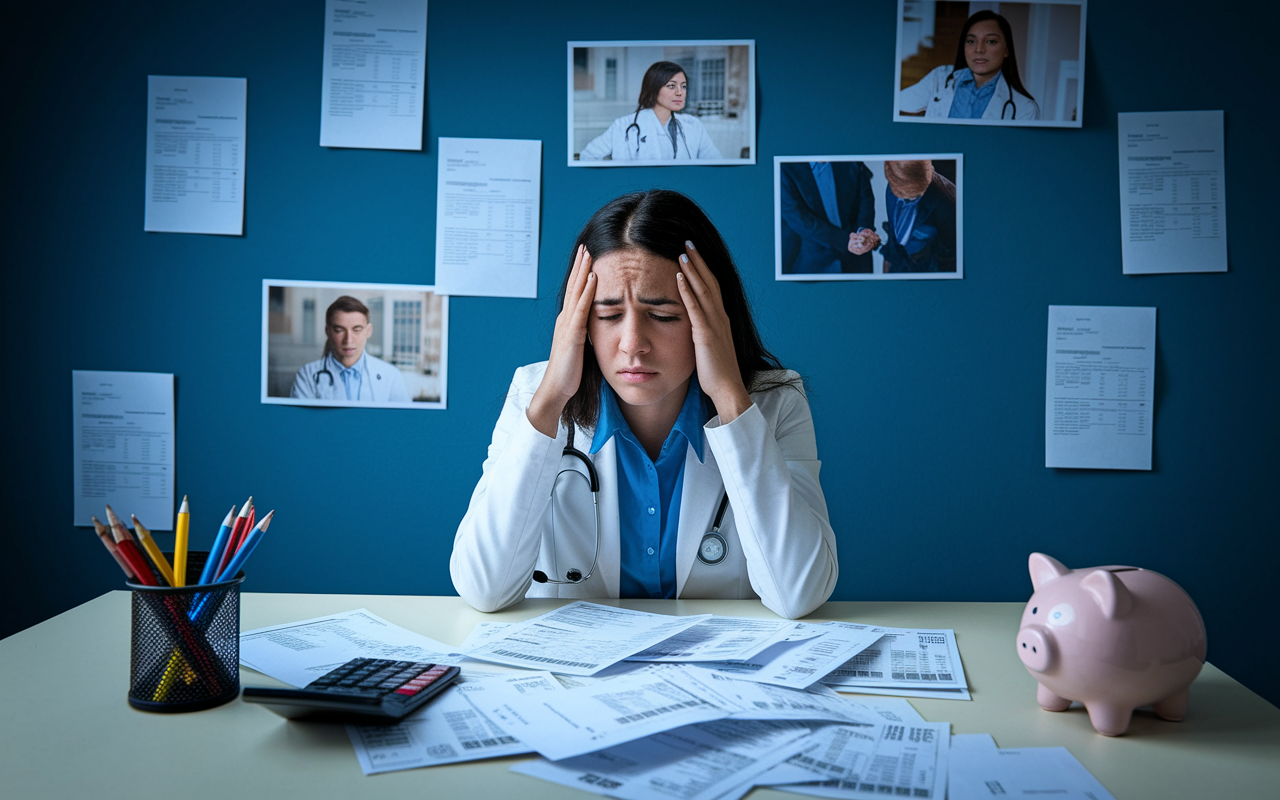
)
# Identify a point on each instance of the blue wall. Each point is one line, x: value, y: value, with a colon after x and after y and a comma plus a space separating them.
x: 928, y: 396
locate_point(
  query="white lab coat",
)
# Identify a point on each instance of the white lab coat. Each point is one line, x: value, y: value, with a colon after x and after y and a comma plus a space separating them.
x: 780, y: 546
x: 653, y: 142
x: 934, y: 94
x: 380, y: 382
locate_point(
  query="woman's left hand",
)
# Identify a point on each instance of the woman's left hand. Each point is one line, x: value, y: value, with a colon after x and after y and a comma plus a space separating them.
x: 716, y: 359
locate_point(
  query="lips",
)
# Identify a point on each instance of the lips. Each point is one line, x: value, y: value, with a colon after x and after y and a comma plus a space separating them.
x: 636, y: 375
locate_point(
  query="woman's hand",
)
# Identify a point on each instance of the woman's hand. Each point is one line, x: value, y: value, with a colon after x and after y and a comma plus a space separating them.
x: 716, y: 359
x: 564, y: 367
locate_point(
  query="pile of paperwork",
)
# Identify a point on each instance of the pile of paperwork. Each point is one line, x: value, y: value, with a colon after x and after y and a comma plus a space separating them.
x: 636, y: 705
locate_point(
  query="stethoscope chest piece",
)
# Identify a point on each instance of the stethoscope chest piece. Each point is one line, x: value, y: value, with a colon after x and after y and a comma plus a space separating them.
x: 713, y: 548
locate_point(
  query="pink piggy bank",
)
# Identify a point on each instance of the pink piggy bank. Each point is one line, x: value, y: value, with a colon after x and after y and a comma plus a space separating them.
x: 1114, y: 638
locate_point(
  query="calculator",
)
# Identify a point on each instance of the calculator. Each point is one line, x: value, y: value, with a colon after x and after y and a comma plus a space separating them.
x: 363, y: 690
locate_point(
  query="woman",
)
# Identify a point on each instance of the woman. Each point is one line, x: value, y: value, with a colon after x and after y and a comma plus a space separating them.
x: 982, y: 84
x: 658, y: 379
x: 657, y: 131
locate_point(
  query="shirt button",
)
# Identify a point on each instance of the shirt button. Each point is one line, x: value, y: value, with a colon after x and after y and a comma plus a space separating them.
x: 651, y: 510
x: 650, y: 551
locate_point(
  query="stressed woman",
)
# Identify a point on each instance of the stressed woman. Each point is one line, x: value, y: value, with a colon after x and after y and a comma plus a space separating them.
x: 660, y: 451
x: 657, y: 131
x: 983, y: 83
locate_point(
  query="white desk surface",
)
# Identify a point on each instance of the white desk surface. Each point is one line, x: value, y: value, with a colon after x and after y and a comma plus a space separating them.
x: 68, y: 731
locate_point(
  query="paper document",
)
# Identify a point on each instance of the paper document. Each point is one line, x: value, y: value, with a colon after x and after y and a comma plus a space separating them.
x: 580, y: 638
x: 979, y: 770
x: 195, y: 155
x: 1099, y: 385
x: 719, y: 638
x: 488, y: 209
x: 577, y: 721
x: 709, y: 761
x: 904, y: 658
x: 1173, y: 210
x: 122, y: 435
x: 908, y: 760
x: 299, y: 652
x: 451, y: 728
x: 800, y: 663
x: 375, y: 55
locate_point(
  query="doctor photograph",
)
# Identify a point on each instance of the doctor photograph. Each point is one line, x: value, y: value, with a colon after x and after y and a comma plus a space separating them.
x: 991, y: 64
x: 345, y: 371
x: 658, y: 130
x: 661, y: 450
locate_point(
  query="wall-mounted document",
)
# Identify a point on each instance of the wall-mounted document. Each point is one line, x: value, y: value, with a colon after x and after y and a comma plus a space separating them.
x: 122, y: 425
x: 195, y: 154
x: 375, y: 53
x: 487, y: 217
x: 1173, y: 210
x: 1099, y: 382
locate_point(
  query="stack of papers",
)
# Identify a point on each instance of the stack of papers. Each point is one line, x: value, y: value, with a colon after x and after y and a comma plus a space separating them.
x: 635, y: 705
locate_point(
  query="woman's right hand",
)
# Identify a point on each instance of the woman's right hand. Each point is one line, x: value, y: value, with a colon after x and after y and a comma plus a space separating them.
x: 564, y: 367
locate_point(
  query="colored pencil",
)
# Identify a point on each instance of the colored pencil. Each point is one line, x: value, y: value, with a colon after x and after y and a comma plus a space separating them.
x: 237, y: 532
x: 219, y: 545
x: 246, y: 550
x: 129, y: 551
x: 180, y: 543
x: 105, y: 535
x: 153, y: 550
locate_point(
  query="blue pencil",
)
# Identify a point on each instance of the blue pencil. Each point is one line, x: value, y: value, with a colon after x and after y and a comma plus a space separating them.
x: 246, y: 549
x: 219, y: 544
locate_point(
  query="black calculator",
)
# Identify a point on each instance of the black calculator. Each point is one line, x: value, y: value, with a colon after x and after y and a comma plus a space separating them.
x: 363, y: 690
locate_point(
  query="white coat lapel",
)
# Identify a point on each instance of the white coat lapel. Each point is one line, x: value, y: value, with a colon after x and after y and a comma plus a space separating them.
x: 995, y: 107
x: 698, y: 502
x: 610, y: 564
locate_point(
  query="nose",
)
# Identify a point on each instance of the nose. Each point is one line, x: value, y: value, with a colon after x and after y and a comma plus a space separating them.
x: 635, y: 338
x: 1035, y: 648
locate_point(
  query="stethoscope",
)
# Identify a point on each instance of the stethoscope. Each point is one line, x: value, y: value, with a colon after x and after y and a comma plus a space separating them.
x: 324, y: 370
x: 711, y: 551
x: 635, y: 123
x: 1007, y: 103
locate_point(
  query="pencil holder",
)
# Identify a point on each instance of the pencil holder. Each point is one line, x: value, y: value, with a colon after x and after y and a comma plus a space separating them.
x: 186, y: 643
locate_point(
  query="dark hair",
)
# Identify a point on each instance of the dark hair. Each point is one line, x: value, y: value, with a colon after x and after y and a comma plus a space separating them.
x: 1010, y: 67
x: 659, y: 222
x: 345, y: 303
x: 654, y: 79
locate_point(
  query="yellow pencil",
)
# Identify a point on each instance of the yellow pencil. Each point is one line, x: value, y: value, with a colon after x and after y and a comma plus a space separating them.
x: 153, y: 550
x: 180, y: 544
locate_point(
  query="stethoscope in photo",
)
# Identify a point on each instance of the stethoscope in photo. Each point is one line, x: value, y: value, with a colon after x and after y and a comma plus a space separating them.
x: 1007, y: 103
x: 674, y: 126
x: 711, y: 551
x: 324, y: 370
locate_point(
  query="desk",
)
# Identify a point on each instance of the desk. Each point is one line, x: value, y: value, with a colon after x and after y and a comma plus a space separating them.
x: 68, y: 731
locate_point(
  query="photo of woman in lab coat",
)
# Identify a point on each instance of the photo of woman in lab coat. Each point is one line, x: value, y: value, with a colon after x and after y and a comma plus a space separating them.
x: 659, y: 393
x: 982, y: 84
x: 657, y: 131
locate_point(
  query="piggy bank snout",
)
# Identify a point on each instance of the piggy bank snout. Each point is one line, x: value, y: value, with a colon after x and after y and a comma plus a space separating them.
x: 1036, y: 648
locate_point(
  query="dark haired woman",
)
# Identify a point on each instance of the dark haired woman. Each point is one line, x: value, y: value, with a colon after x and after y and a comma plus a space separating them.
x: 983, y: 83
x: 657, y: 131
x: 704, y: 448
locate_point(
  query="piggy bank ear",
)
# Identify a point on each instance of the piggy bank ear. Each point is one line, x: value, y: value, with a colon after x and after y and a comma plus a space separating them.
x: 1111, y: 595
x: 1044, y: 569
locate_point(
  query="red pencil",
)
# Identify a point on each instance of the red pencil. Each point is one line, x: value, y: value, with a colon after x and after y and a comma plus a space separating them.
x: 109, y: 543
x: 248, y: 526
x: 237, y: 534
x: 129, y: 551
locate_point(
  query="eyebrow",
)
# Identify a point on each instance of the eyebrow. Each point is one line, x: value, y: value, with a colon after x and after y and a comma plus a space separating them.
x: 648, y: 301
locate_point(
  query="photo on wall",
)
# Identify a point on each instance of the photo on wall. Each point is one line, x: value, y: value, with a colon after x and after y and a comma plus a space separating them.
x: 662, y: 103
x: 977, y: 63
x: 354, y: 344
x: 879, y: 217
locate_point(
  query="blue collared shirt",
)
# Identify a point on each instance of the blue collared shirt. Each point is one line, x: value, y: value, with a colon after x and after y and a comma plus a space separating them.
x: 351, y: 376
x: 904, y: 219
x: 969, y: 101
x: 649, y: 492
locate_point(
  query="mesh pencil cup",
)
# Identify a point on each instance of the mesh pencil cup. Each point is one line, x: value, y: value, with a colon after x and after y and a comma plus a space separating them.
x: 186, y: 643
